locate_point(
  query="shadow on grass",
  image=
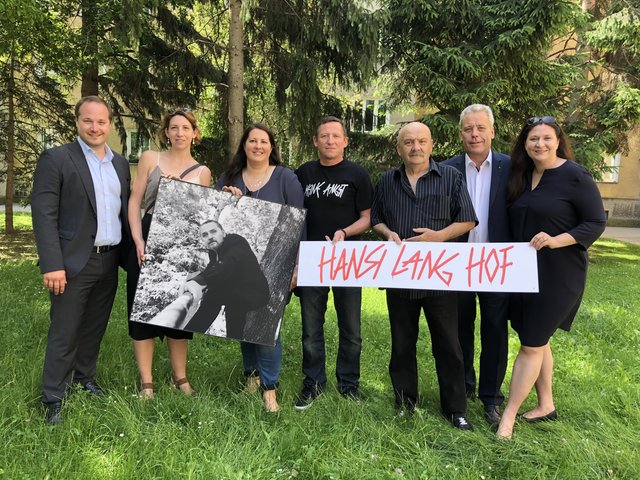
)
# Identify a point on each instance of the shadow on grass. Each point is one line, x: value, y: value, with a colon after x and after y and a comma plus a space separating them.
x: 607, y: 249
x: 18, y: 246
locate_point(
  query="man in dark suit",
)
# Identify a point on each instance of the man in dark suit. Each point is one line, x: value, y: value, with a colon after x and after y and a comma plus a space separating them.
x: 79, y: 206
x: 486, y: 173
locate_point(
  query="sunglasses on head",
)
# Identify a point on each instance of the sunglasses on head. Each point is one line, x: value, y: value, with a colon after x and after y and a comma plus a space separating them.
x: 546, y: 120
x: 180, y: 110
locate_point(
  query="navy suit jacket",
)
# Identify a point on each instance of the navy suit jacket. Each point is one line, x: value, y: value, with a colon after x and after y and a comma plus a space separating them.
x: 63, y: 204
x: 498, y: 216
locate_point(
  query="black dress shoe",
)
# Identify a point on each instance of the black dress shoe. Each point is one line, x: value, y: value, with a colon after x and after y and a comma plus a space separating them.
x: 460, y: 422
x: 54, y: 415
x: 94, y: 388
x: 549, y: 417
x: 492, y: 414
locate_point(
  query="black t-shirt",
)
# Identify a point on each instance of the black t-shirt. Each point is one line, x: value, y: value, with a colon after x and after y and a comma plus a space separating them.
x: 333, y: 196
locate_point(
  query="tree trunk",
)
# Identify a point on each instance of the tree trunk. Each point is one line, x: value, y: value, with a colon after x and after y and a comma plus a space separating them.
x: 11, y: 150
x: 236, y: 73
x: 90, y: 72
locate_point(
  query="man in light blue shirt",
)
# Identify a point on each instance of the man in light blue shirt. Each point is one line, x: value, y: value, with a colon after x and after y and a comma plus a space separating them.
x: 79, y: 206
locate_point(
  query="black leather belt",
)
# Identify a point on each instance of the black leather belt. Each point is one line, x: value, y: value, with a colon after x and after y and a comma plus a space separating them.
x: 104, y: 248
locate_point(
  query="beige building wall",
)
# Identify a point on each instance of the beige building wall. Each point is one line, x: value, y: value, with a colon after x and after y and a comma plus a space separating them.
x: 621, y: 192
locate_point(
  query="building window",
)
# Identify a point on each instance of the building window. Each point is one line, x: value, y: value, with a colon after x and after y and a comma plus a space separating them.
x: 612, y: 171
x: 370, y: 115
x: 136, y: 144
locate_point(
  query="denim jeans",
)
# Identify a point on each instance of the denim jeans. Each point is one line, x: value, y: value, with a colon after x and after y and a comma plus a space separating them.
x: 263, y: 360
x: 313, y: 305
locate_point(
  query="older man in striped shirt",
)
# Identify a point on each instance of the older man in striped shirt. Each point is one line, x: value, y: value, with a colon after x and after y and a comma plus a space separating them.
x: 422, y: 201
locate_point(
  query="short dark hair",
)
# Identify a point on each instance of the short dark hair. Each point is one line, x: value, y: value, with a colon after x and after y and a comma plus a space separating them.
x: 211, y: 221
x: 94, y: 99
x: 331, y: 119
x: 183, y: 112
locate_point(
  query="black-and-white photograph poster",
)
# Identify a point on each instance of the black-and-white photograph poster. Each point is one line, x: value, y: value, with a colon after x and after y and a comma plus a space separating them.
x: 217, y: 264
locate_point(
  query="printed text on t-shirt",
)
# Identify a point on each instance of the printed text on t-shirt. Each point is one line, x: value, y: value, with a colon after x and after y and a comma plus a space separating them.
x: 332, y: 189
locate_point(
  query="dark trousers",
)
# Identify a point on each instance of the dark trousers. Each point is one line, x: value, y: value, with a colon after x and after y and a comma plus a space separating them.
x: 494, y: 341
x: 313, y: 306
x: 78, y: 321
x: 441, y: 314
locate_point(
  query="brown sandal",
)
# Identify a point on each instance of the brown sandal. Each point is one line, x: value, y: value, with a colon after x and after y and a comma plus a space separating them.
x: 148, y: 395
x: 188, y: 391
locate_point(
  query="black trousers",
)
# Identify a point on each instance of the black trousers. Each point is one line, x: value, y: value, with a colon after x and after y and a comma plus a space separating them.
x: 441, y: 314
x: 78, y: 321
x: 494, y: 341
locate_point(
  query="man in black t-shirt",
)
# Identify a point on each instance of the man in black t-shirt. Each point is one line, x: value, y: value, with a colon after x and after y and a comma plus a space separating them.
x: 337, y: 195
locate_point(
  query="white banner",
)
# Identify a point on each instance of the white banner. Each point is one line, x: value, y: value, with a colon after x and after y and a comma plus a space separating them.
x: 476, y: 267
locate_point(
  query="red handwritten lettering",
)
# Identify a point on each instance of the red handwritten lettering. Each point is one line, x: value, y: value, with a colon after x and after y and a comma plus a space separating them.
x: 350, y: 262
x: 488, y: 264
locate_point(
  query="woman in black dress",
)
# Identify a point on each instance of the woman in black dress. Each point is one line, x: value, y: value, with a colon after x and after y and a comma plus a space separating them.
x: 554, y: 205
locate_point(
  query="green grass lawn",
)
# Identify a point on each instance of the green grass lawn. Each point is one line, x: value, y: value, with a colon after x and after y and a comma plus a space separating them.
x: 224, y: 433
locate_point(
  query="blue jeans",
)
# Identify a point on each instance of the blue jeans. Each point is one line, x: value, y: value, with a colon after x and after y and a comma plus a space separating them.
x: 313, y: 306
x: 264, y: 361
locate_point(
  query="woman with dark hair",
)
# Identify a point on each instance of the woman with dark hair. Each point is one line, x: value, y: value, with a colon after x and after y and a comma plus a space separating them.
x: 255, y: 170
x: 554, y: 205
x: 178, y: 130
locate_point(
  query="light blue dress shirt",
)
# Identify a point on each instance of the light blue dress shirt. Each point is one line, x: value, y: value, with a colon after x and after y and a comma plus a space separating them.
x: 107, y: 187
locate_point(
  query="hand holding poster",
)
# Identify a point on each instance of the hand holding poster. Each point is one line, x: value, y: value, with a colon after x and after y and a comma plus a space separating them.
x: 217, y: 264
x: 478, y: 267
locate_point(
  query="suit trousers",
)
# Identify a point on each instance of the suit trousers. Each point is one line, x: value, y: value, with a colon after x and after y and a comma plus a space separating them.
x: 78, y: 321
x: 494, y: 342
x: 441, y: 314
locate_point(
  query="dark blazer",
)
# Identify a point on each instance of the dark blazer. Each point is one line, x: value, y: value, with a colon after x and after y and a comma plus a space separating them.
x: 64, y: 208
x: 498, y: 217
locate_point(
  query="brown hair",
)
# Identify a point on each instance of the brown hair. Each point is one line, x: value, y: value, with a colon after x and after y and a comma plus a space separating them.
x: 166, y: 120
x: 521, y: 162
x: 94, y: 99
x: 239, y: 160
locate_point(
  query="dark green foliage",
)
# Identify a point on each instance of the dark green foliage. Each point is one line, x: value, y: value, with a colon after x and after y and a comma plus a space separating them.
x: 450, y: 54
x: 33, y: 76
x: 155, y: 59
x: 308, y: 48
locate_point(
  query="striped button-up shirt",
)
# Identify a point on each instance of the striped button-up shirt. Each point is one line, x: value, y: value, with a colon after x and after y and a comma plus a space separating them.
x: 440, y: 199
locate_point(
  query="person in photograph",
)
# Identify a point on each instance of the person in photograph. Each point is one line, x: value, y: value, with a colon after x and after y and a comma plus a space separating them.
x: 486, y: 173
x: 232, y: 278
x: 554, y: 205
x: 179, y: 131
x: 79, y: 209
x: 256, y: 171
x: 423, y: 201
x: 337, y: 196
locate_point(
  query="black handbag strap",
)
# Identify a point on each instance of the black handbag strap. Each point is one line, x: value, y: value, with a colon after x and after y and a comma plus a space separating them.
x: 190, y: 169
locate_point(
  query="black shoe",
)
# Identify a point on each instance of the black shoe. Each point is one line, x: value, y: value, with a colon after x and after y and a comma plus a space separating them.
x: 54, y: 414
x: 307, y: 397
x: 492, y: 414
x: 460, y: 422
x: 352, y: 393
x: 549, y: 417
x: 93, y: 388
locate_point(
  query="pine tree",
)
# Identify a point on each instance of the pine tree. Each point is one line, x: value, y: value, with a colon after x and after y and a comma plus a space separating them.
x: 33, y: 109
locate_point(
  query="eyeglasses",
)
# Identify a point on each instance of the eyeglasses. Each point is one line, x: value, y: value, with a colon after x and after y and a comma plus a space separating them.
x: 546, y: 120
